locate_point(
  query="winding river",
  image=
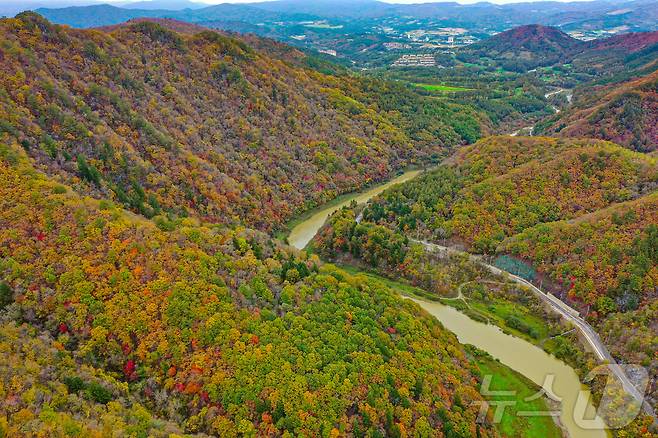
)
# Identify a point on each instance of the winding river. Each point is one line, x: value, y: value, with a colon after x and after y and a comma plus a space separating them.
x: 303, y: 232
x: 577, y: 414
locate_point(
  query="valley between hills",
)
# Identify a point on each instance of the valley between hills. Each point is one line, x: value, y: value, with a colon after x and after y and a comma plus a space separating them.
x: 209, y: 233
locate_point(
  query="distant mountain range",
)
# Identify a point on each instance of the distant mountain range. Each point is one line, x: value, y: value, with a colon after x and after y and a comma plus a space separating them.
x: 634, y: 15
x: 174, y: 5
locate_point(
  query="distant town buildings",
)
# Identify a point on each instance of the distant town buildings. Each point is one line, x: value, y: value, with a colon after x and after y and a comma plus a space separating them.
x: 421, y: 60
x: 425, y: 34
x: 320, y: 24
x: 588, y: 35
x: 396, y: 46
x: 442, y: 37
x: 328, y: 52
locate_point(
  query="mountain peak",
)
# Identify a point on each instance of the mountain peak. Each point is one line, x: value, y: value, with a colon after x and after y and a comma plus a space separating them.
x: 533, y: 33
x: 525, y: 47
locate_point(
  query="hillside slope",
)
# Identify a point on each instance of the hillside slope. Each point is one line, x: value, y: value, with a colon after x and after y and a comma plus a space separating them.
x: 577, y: 216
x: 205, y: 125
x: 608, y: 253
x: 501, y: 186
x: 609, y: 260
x: 112, y: 324
x: 618, y: 58
x: 625, y: 113
x: 525, y: 47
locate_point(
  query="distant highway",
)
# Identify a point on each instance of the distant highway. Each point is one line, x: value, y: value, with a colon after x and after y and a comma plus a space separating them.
x: 586, y: 330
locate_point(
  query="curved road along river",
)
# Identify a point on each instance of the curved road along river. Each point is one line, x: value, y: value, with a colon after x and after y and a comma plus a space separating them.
x: 302, y: 234
x: 586, y: 330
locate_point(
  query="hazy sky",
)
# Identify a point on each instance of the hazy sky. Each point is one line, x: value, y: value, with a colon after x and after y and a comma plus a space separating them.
x: 392, y: 1
x: 60, y: 2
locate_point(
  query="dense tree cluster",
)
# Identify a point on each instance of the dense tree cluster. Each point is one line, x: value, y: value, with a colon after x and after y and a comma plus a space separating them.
x: 609, y: 260
x: 151, y: 327
x: 501, y: 186
x: 438, y: 275
x: 509, y: 100
x: 626, y: 113
x: 609, y: 256
x: 44, y: 389
x: 203, y: 124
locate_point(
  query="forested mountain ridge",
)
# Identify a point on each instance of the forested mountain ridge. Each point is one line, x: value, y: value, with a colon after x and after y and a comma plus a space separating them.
x: 202, y: 124
x: 608, y: 256
x: 114, y: 323
x: 626, y: 113
x: 609, y: 260
x: 630, y: 42
x: 527, y: 47
x: 533, y: 45
x: 500, y: 186
x: 525, y: 195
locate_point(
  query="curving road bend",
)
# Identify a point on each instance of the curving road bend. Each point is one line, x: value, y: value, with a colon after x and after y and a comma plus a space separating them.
x: 586, y: 330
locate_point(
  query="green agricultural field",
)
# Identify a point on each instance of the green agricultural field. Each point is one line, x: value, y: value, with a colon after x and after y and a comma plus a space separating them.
x: 442, y: 88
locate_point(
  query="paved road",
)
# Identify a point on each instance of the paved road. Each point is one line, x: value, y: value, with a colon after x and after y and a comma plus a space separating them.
x: 566, y: 312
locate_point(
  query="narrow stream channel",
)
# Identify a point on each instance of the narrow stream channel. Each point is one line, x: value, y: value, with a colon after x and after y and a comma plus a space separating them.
x: 521, y: 356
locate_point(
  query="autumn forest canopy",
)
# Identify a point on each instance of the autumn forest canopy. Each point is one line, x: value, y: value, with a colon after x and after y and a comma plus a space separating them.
x: 130, y: 162
x: 204, y: 125
x: 149, y: 169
